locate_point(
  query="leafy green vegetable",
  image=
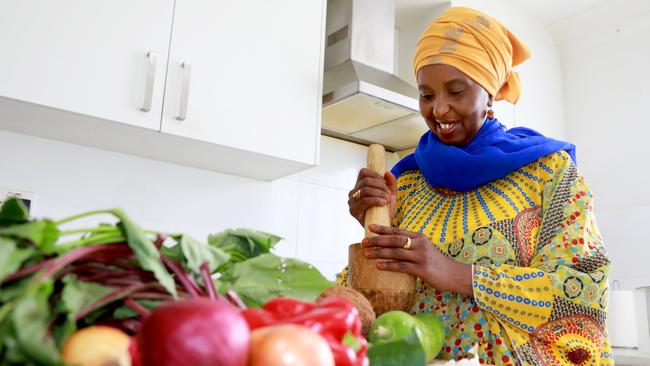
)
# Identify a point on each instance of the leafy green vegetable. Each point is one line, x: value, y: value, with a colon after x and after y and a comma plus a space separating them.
x: 259, y: 279
x: 14, y: 354
x: 76, y: 296
x: 195, y: 253
x: 30, y: 319
x: 405, y: 351
x: 42, y: 233
x: 13, y: 211
x: 243, y: 244
x: 145, y: 251
x: 11, y: 257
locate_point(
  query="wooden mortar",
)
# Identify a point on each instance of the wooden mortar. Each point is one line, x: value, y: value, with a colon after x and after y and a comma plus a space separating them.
x: 384, y: 289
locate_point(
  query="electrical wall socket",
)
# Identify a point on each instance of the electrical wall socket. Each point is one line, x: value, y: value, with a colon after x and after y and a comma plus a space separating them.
x: 27, y: 197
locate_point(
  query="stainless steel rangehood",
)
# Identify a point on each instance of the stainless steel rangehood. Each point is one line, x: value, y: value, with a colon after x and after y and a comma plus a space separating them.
x: 363, y: 101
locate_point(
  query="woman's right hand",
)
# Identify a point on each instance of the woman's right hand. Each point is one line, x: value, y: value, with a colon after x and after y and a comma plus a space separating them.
x: 373, y: 190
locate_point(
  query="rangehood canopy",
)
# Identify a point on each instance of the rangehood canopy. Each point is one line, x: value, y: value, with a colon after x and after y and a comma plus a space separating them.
x: 362, y: 100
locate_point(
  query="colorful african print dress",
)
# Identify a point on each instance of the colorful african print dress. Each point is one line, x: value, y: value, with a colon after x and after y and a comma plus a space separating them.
x: 539, y: 265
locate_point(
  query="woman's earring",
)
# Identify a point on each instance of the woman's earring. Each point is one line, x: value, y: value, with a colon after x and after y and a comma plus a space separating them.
x: 490, y: 112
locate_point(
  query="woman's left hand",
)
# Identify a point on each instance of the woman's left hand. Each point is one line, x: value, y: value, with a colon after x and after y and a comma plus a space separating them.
x: 421, y: 259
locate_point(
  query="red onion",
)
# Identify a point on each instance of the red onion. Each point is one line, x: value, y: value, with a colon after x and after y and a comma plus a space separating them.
x: 196, y: 332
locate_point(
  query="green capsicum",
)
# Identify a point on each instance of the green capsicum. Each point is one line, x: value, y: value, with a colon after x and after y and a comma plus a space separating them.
x: 396, y: 325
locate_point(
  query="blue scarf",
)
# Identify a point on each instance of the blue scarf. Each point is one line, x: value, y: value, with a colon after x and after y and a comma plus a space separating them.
x: 492, y: 154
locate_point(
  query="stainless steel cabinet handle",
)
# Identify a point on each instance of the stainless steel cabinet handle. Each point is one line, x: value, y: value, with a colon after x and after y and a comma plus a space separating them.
x: 150, y: 77
x: 186, y: 73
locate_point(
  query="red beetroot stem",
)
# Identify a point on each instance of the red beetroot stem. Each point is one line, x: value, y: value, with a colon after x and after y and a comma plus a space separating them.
x: 115, y: 295
x: 82, y: 252
x: 84, y: 269
x: 154, y: 296
x: 119, y: 260
x: 135, y: 306
x: 53, y: 265
x: 160, y: 239
x: 111, y: 262
x: 104, y: 275
x: 28, y: 270
x: 235, y: 300
x: 207, y: 279
x: 194, y: 284
x: 130, y: 324
x: 182, y: 276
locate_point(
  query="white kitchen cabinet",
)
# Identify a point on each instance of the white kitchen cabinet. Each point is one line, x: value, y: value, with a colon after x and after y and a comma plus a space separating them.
x: 255, y: 66
x: 249, y: 70
x: 86, y: 57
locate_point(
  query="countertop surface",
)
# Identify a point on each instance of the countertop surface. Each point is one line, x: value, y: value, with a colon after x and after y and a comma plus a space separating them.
x: 631, y: 357
x: 622, y: 356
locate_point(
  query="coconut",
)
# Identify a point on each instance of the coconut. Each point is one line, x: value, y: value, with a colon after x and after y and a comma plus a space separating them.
x: 366, y: 313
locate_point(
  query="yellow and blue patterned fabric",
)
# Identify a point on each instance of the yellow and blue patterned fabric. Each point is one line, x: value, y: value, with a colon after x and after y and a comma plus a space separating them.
x: 539, y: 266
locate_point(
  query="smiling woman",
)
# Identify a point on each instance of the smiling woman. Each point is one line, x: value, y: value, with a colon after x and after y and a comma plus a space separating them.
x: 452, y: 104
x: 496, y: 224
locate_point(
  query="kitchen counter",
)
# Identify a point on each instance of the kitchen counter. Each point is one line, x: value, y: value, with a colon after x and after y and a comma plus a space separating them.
x: 622, y: 356
x: 631, y: 357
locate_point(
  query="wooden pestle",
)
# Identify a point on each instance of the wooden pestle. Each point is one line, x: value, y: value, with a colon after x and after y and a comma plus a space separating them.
x: 377, y: 215
x: 384, y: 289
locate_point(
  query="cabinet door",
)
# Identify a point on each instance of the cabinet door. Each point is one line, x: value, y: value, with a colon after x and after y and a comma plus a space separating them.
x: 253, y: 68
x: 86, y: 56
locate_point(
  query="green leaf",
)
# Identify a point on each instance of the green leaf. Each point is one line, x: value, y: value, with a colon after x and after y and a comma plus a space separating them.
x: 195, y: 253
x: 7, y: 339
x: 42, y: 233
x: 12, y: 290
x: 406, y: 351
x: 5, y: 311
x: 243, y: 244
x: 13, y: 354
x: 13, y: 211
x: 262, y: 278
x: 30, y: 319
x: 11, y: 257
x: 6, y: 330
x: 94, y: 315
x: 76, y: 296
x: 174, y: 252
x: 145, y: 251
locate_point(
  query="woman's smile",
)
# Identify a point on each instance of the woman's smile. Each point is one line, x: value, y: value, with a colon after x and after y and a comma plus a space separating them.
x: 446, y: 128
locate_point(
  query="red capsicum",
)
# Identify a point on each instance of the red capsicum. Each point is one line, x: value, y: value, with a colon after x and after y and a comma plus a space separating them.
x: 332, y: 318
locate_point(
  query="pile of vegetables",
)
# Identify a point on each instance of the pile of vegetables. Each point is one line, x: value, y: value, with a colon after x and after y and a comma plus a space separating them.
x: 55, y: 280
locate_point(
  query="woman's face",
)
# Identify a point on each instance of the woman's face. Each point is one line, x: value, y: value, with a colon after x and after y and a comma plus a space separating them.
x: 453, y: 105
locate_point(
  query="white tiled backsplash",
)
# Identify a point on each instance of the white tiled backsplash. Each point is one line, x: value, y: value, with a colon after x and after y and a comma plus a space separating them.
x: 308, y: 209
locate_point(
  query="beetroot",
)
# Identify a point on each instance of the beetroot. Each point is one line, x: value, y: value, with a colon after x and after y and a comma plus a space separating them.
x: 197, y: 332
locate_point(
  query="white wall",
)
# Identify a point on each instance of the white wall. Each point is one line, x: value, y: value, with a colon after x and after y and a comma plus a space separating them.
x: 606, y: 72
x: 308, y: 209
x: 540, y: 105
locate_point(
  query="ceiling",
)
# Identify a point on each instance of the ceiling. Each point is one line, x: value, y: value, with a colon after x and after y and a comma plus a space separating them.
x: 546, y: 11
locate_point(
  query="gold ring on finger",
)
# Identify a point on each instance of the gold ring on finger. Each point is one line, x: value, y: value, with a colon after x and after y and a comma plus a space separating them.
x: 408, y: 243
x: 357, y: 194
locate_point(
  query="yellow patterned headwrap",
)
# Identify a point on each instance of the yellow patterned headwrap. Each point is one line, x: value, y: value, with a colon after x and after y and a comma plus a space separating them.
x: 479, y: 46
